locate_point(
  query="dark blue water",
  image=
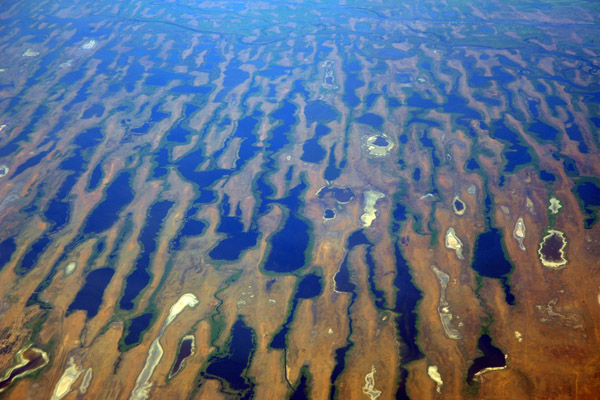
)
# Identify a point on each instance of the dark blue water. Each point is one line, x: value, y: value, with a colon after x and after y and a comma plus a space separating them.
x: 89, y: 297
x: 58, y: 210
x: 312, y: 151
x: 516, y: 153
x: 95, y: 110
x: 7, y: 249
x: 302, y: 389
x: 380, y: 141
x: 95, y: 177
x: 140, y: 277
x: 231, y: 363
x: 135, y: 329
x: 373, y: 120
x: 492, y: 357
x: 279, y: 135
x: 34, y: 299
x: 417, y: 174
x: 344, y: 284
x: 533, y: 108
x: 427, y: 142
x: 456, y: 104
x: 319, y: 111
x: 233, y: 77
x: 288, y: 247
x: 185, y: 350
x: 236, y: 240
x: 118, y: 195
x: 310, y: 286
x: 543, y: 131
x: 30, y: 162
x: 490, y: 260
x: 329, y: 214
x: 588, y: 193
x: 407, y: 300
x: 14, y: 144
x: 371, y: 98
x: 191, y: 227
x: 547, y: 176
x: 31, y: 257
x: 459, y: 205
x: 342, y: 279
x: 332, y: 172
x: 342, y: 195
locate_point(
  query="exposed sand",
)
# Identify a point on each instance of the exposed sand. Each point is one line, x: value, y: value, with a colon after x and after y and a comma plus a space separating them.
x: 519, y: 233
x: 368, y: 216
x: 90, y: 44
x: 141, y: 391
x: 369, y: 388
x: 30, y: 53
x: 66, y: 380
x: 454, y: 243
x: 70, y: 268
x: 555, y: 205
x: 434, y: 374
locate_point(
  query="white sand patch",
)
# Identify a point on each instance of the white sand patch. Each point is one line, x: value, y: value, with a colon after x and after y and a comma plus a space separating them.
x: 435, y: 375
x: 371, y: 198
x: 141, y: 391
x: 184, y: 301
x: 554, y: 206
x: 519, y: 233
x: 90, y: 44
x: 66, y: 380
x: 30, y: 53
x: 369, y: 388
x: 70, y: 268
x: 87, y: 378
x: 66, y: 64
x: 518, y: 336
x: 454, y: 243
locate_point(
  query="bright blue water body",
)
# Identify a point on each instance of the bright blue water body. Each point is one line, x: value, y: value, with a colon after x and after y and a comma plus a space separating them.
x: 515, y: 153
x: 89, y: 297
x: 7, y: 249
x: 140, y: 277
x: 118, y: 195
x: 312, y: 151
x: 136, y: 327
x: 319, y: 111
x: 310, y: 286
x: 95, y: 110
x: 472, y: 164
x: 95, y: 177
x: 417, y: 174
x: 237, y: 239
x: 332, y: 172
x: 588, y: 193
x: 547, y: 176
x: 373, y: 120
